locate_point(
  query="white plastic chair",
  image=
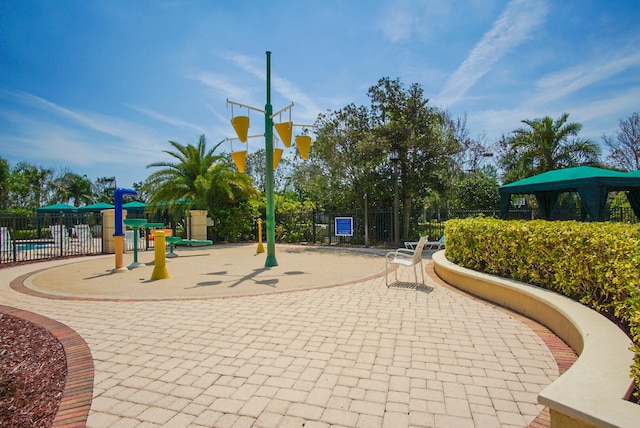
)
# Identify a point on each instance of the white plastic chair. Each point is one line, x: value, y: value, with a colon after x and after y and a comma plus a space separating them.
x: 406, y: 257
x: 5, y: 243
x: 435, y: 245
x: 83, y: 232
x: 60, y: 235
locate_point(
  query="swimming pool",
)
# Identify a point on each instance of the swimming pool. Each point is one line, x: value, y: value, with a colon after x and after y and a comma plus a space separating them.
x: 31, y: 246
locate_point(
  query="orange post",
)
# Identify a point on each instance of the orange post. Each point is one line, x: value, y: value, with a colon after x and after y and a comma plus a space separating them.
x: 119, y: 244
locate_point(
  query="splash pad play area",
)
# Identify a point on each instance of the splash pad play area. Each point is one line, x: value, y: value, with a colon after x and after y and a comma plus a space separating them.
x: 196, y: 269
x: 209, y: 272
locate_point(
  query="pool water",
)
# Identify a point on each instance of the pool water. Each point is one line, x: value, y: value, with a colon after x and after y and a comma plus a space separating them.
x: 32, y: 246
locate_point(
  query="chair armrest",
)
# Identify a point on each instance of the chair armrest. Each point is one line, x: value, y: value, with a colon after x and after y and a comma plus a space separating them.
x: 405, y: 252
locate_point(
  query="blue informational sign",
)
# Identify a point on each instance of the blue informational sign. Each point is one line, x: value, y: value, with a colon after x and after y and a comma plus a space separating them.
x: 344, y: 226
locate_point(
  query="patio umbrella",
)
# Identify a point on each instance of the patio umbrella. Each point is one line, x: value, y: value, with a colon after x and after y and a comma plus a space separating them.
x: 58, y: 208
x: 134, y: 208
x: 95, y: 207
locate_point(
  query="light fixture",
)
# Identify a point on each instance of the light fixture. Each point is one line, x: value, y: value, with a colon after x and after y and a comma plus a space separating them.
x: 394, y: 154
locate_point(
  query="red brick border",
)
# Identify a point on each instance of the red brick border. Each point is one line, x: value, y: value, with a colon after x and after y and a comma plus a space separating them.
x: 78, y: 390
x: 563, y: 354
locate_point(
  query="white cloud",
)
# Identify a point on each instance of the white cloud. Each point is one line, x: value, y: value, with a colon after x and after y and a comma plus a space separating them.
x: 120, y: 129
x: 178, y: 123
x: 222, y: 84
x: 402, y: 20
x: 516, y: 24
x: 305, y: 108
x: 54, y: 133
x: 607, y: 110
x: 54, y: 143
x: 398, y: 25
x: 598, y: 117
x: 566, y: 82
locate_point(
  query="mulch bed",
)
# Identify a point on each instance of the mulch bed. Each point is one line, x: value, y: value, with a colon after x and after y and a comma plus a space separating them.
x: 33, y: 373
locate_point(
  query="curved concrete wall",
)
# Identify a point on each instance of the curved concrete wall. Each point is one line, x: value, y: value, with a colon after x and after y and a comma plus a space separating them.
x: 593, y: 392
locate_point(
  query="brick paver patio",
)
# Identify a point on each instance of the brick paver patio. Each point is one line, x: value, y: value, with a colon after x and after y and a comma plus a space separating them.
x: 355, y: 355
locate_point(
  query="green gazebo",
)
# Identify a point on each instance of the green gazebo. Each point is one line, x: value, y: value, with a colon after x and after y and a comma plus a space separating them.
x: 592, y: 185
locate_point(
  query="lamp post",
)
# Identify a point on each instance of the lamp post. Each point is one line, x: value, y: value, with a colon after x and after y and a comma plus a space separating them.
x: 394, y: 156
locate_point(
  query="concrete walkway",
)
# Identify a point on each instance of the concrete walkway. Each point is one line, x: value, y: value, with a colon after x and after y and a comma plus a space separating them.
x: 354, y: 355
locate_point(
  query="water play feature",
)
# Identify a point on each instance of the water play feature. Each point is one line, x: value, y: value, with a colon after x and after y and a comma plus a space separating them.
x: 135, y: 224
x: 118, y: 235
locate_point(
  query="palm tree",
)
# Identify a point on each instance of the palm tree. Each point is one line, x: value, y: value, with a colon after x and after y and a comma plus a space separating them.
x: 78, y: 187
x: 545, y: 145
x: 200, y: 178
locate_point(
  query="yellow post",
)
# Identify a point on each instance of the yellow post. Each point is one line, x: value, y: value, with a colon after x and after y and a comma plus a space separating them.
x: 119, y: 244
x: 260, y: 246
x: 160, y: 261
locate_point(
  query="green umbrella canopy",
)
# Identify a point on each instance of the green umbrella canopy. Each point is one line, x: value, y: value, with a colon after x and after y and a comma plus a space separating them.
x: 96, y: 207
x: 134, y: 205
x: 57, y: 208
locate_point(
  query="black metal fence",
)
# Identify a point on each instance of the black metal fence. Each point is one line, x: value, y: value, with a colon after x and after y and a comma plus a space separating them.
x: 43, y: 236
x: 377, y: 228
x: 49, y: 235
x: 53, y: 235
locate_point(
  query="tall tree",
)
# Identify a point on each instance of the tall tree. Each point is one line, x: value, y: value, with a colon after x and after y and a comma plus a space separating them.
x: 476, y: 190
x: 342, y: 168
x: 104, y: 189
x: 255, y: 167
x: 544, y: 145
x: 425, y: 136
x: 199, y: 177
x: 624, y: 150
x: 5, y: 177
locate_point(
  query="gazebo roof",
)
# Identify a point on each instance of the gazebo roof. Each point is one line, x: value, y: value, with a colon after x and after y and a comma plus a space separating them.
x: 568, y: 178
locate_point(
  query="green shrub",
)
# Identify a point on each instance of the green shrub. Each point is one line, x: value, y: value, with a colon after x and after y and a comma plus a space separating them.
x: 28, y: 233
x: 596, y: 264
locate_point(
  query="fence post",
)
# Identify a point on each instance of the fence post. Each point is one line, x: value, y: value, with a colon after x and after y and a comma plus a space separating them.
x: 313, y: 226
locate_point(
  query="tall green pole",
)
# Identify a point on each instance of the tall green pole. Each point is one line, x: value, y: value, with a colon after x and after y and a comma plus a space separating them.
x: 268, y: 133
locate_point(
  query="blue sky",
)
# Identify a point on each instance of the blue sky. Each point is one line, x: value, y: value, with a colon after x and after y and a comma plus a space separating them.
x: 100, y: 87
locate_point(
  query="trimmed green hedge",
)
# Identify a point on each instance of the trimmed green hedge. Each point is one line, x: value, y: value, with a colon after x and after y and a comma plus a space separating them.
x: 597, y: 264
